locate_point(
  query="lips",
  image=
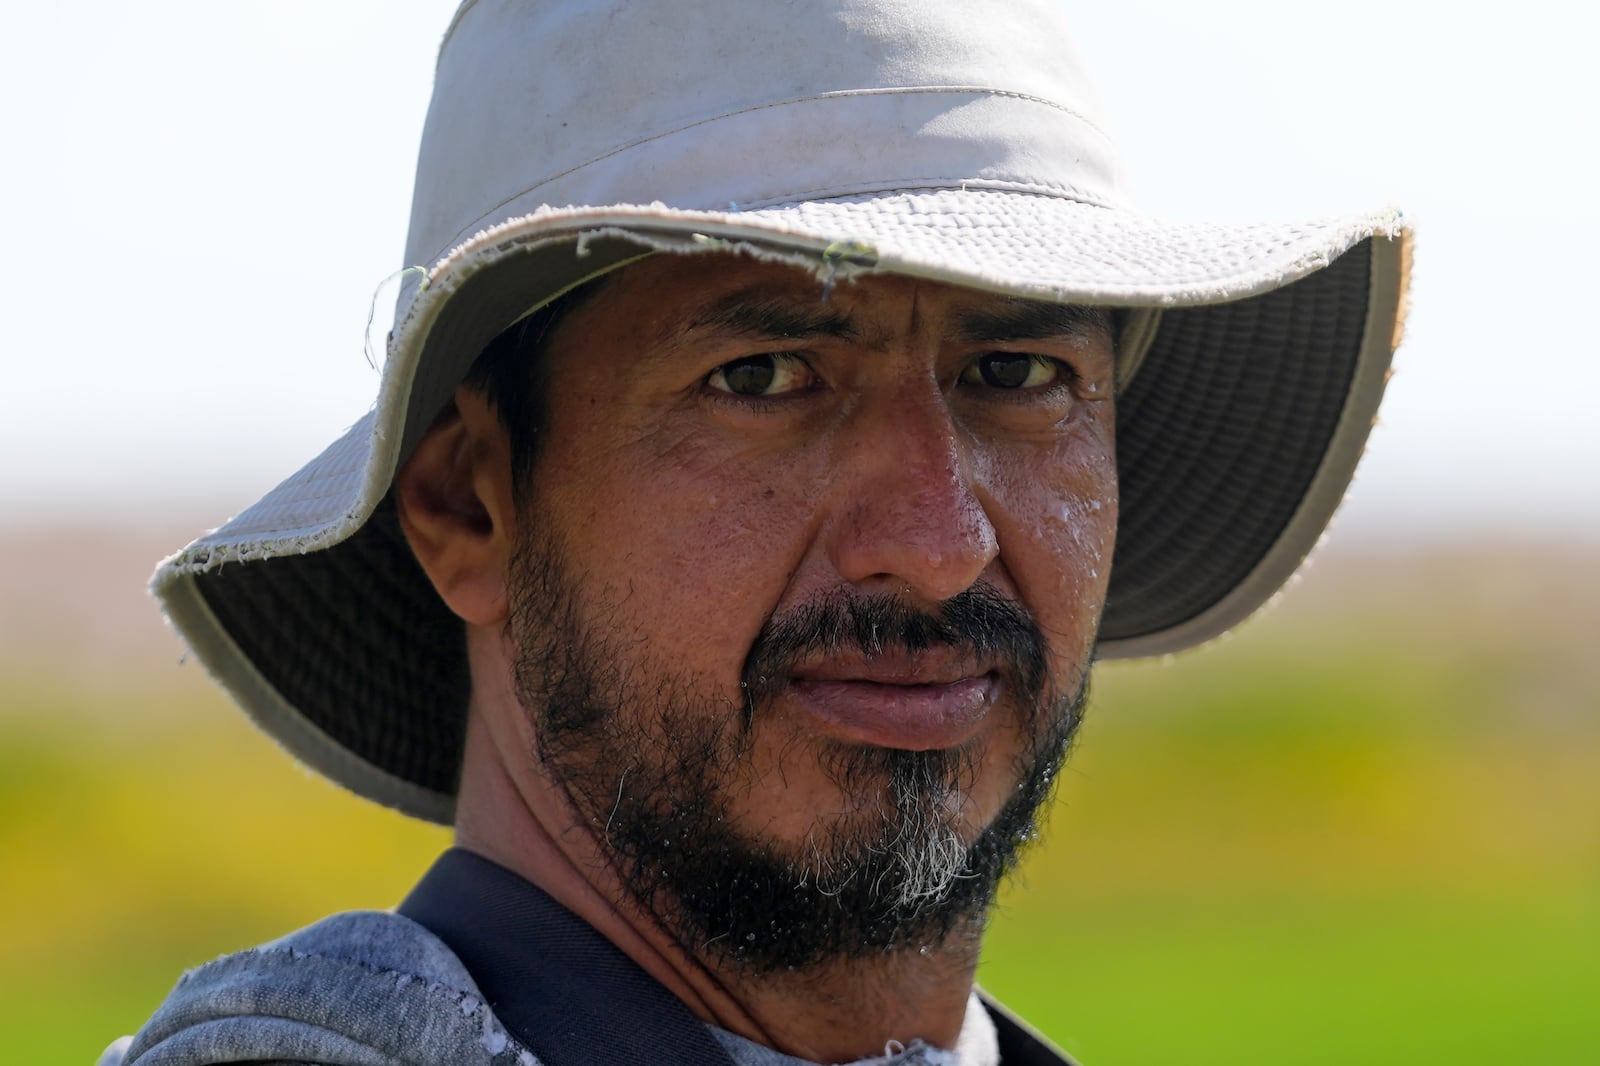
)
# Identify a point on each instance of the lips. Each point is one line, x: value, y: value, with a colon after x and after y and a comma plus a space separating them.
x: 909, y: 702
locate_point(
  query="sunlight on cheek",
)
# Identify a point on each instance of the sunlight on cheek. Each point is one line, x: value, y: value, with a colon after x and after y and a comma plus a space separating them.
x: 1079, y: 533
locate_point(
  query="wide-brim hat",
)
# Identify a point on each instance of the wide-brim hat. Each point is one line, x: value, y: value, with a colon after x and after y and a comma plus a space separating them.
x: 954, y: 142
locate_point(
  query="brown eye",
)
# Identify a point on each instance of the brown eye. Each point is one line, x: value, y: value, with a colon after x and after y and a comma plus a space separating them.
x: 761, y: 375
x: 1007, y: 370
x: 750, y: 377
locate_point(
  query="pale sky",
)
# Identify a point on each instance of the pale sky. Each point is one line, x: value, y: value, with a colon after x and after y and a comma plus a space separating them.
x: 202, y: 197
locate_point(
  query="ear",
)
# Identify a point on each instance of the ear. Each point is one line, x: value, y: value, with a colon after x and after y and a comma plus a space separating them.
x: 454, y: 500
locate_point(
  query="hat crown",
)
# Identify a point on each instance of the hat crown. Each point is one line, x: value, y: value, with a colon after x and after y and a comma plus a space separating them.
x: 735, y: 104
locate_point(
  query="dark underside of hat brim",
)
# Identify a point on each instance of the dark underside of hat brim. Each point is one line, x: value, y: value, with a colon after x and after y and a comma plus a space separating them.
x: 1219, y: 438
x: 355, y: 639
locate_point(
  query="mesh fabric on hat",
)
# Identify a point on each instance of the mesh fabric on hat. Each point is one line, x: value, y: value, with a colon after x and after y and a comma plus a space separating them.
x: 355, y: 638
x: 1220, y: 435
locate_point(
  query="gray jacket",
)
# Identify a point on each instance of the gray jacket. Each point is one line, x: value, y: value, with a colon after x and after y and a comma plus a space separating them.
x: 358, y: 989
x: 370, y: 988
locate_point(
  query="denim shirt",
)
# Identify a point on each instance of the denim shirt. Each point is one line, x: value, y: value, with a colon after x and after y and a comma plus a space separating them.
x: 359, y: 989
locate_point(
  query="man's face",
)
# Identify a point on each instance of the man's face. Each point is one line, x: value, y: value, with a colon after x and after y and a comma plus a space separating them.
x: 806, y: 590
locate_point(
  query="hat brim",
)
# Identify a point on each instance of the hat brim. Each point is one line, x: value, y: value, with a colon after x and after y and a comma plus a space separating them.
x: 1247, y: 387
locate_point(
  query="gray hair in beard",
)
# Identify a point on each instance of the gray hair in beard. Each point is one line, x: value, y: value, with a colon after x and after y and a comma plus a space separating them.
x: 655, y: 768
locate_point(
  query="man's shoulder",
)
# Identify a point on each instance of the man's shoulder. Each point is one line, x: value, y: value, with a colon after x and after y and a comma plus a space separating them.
x: 367, y: 988
x: 380, y: 941
x: 364, y: 988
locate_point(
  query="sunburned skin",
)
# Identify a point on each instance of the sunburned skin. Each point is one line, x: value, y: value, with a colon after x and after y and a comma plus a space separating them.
x: 766, y: 535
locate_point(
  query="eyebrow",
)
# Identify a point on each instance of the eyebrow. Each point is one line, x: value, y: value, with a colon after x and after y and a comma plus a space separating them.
x: 1027, y: 320
x: 743, y: 314
x: 753, y: 314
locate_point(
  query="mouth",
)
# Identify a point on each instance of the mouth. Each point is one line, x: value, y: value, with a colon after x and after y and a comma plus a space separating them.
x: 911, y: 703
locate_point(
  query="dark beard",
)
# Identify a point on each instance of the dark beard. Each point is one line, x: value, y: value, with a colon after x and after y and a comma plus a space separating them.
x: 656, y: 771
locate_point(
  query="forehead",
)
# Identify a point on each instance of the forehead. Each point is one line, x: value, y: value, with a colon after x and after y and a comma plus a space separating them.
x: 670, y: 298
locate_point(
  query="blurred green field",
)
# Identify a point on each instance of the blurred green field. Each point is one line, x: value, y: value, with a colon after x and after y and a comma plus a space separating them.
x: 1364, y: 829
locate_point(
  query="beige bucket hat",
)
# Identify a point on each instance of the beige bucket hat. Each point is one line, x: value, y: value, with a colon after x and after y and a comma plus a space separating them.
x: 957, y: 142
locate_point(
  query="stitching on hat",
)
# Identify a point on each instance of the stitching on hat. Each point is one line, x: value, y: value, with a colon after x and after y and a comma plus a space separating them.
x: 910, y: 185
x: 909, y: 90
x: 1245, y: 277
x: 266, y: 507
x: 207, y: 554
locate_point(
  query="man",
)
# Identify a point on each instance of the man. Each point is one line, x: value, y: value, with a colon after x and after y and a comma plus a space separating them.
x: 728, y: 548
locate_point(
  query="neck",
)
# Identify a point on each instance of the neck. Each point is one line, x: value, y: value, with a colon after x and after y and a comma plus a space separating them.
x: 852, y: 1010
x: 509, y: 811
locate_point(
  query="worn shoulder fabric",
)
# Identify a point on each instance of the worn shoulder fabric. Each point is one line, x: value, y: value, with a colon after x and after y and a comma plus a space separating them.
x: 357, y: 989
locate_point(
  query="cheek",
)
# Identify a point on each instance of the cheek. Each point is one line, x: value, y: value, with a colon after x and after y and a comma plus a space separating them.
x: 729, y: 550
x: 687, y: 553
x: 1055, y: 516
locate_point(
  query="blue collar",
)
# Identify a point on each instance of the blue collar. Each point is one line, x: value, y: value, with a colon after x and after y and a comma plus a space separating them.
x: 562, y: 989
x: 570, y: 995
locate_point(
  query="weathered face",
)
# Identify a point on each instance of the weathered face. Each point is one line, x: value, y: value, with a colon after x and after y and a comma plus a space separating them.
x: 807, y: 589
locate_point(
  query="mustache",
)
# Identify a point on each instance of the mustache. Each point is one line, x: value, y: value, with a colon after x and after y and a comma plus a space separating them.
x: 979, y: 622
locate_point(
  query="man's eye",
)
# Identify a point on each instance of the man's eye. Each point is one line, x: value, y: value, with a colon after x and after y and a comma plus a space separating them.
x: 1004, y: 370
x: 761, y: 375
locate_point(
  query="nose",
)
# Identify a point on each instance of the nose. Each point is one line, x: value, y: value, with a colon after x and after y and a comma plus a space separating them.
x: 907, y: 519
